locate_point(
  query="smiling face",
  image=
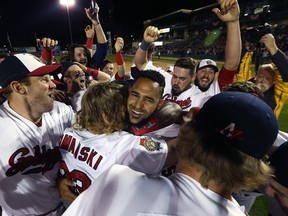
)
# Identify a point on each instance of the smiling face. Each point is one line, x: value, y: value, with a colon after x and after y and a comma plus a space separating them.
x: 80, y: 55
x: 204, y: 78
x: 144, y: 99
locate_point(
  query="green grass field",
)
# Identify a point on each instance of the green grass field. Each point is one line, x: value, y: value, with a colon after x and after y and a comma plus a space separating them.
x: 283, y: 118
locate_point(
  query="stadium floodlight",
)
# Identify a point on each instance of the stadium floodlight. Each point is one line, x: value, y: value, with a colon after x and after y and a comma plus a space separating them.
x: 68, y: 3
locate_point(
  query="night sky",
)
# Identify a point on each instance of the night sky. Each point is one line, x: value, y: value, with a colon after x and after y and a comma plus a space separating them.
x: 23, y: 19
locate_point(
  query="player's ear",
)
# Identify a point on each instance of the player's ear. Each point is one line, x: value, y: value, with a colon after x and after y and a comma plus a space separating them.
x: 18, y: 87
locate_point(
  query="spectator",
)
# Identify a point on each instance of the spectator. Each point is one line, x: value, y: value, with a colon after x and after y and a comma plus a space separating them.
x: 218, y: 153
x: 178, y: 86
x: 272, y: 78
x: 31, y: 125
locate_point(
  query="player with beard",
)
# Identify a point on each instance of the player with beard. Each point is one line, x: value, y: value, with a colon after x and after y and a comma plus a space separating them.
x: 272, y: 78
x: 179, y: 87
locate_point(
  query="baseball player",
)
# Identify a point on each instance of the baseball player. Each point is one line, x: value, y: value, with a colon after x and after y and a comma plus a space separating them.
x: 97, y: 140
x: 32, y: 124
x: 220, y: 138
x: 146, y: 115
x: 178, y: 85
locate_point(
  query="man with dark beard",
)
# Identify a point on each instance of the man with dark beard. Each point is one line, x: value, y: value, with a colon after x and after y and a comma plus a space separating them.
x: 179, y: 87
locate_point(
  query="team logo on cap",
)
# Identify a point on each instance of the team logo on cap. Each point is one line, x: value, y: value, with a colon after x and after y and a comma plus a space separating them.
x: 150, y: 144
x: 230, y: 131
x: 38, y: 59
x: 209, y: 62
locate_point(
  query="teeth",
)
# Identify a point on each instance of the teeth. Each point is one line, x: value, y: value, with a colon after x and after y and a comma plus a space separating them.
x: 136, y: 112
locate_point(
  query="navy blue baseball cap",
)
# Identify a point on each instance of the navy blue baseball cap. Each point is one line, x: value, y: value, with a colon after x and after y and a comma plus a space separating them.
x: 66, y: 65
x: 241, y: 120
x: 19, y: 66
x: 279, y: 161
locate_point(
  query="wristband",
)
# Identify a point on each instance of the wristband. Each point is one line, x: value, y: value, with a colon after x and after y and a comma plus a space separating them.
x: 117, y: 77
x: 47, y: 55
x: 92, y: 72
x: 144, y: 45
x: 119, y: 58
x: 89, y: 43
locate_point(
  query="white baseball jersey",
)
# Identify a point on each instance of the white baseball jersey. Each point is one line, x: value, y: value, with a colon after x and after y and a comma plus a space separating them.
x: 122, y: 191
x: 29, y: 159
x: 87, y: 155
x: 76, y: 99
x: 192, y: 97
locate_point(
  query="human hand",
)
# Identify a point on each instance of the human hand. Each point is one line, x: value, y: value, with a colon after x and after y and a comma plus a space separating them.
x: 60, y: 95
x: 93, y: 14
x: 269, y: 41
x: 119, y: 44
x: 47, y: 43
x: 229, y: 10
x: 279, y: 192
x: 151, y: 34
x: 63, y: 185
x: 89, y: 31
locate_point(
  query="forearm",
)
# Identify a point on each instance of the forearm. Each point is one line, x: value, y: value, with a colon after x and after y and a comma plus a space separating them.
x: 140, y: 58
x: 233, y: 46
x: 100, y: 35
x: 281, y: 61
x: 120, y: 65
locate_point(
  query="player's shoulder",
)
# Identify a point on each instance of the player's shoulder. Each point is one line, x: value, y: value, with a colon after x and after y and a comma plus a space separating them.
x: 62, y: 107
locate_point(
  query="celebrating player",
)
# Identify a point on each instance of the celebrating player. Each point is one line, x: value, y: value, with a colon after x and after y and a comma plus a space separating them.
x: 32, y: 124
x: 97, y: 140
x: 178, y: 85
x: 219, y: 152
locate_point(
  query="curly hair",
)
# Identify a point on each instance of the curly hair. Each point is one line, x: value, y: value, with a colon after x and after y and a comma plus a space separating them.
x: 245, y: 86
x: 103, y: 109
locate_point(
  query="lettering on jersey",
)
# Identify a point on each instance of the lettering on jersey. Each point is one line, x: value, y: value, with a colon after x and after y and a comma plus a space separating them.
x: 183, y: 103
x: 150, y: 126
x: 230, y: 131
x: 150, y: 144
x: 40, y: 160
x: 81, y: 153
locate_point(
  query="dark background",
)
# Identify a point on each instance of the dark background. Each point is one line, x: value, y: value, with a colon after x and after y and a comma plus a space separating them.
x: 22, y: 20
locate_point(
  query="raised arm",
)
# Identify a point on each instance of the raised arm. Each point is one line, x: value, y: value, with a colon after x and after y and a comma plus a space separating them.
x: 89, y: 31
x: 229, y: 13
x: 102, y: 42
x: 150, y: 35
x: 47, y: 52
x: 277, y: 56
x: 119, y: 44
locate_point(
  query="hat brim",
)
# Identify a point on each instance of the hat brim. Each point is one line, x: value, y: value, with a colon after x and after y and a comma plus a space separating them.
x: 212, y: 66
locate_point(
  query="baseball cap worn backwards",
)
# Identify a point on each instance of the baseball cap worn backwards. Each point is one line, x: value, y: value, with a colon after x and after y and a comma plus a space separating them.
x: 241, y: 120
x: 207, y: 63
x: 19, y: 66
x: 279, y: 161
